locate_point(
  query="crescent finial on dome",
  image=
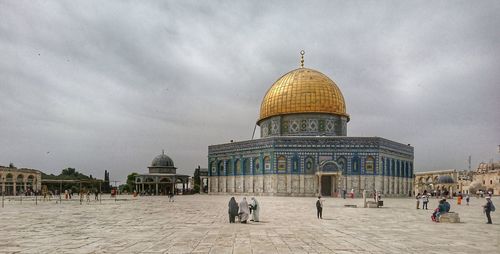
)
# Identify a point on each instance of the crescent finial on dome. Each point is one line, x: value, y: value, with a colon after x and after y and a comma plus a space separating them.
x: 302, y: 53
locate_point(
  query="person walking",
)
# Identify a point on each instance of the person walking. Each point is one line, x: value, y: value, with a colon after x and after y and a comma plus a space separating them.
x: 425, y: 201
x: 244, y: 211
x: 488, y: 208
x: 467, y: 199
x: 256, y: 209
x: 232, y: 210
x: 319, y: 207
x: 418, y: 200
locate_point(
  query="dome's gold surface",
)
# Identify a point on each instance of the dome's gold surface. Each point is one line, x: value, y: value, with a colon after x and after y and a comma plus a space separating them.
x: 303, y: 90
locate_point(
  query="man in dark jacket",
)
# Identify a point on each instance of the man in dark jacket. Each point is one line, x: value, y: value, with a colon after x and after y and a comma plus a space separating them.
x: 319, y: 207
x: 487, y: 209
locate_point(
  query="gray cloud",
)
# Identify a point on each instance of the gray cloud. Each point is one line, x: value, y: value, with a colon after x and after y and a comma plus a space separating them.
x: 107, y: 85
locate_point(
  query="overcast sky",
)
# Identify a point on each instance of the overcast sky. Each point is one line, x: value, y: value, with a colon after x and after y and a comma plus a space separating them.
x: 107, y: 85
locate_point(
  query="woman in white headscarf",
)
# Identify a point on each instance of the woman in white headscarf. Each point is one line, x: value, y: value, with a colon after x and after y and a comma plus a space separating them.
x: 244, y: 211
x: 255, y: 209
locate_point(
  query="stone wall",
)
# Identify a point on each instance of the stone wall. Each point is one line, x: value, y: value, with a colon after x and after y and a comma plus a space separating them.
x: 307, y: 185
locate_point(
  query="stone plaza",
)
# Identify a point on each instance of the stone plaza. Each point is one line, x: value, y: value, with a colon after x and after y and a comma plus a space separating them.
x: 199, y: 224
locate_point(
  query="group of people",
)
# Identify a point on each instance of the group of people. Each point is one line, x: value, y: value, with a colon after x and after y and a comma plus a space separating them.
x: 243, y: 210
x: 351, y: 193
x: 444, y: 207
x: 422, y: 199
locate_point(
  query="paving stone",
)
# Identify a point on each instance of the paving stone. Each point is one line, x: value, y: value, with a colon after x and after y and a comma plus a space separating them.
x: 199, y: 224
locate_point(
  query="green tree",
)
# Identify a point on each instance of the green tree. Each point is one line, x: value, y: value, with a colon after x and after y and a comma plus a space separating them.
x: 131, y: 181
x: 197, y: 179
x: 131, y: 178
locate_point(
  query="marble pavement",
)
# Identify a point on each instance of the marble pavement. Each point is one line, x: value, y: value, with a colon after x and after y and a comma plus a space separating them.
x: 199, y: 224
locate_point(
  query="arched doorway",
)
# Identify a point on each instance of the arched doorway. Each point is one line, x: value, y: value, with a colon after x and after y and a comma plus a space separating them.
x: 329, y: 175
x: 179, y: 186
x: 9, y: 185
x: 29, y: 183
x: 165, y: 186
x: 20, y: 184
x: 148, y: 187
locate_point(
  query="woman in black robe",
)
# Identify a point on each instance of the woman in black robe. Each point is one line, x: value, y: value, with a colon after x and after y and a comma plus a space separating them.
x: 233, y: 209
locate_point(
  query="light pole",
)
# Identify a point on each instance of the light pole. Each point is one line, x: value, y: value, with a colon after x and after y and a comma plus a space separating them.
x: 36, y: 190
x: 3, y: 187
x: 60, y: 192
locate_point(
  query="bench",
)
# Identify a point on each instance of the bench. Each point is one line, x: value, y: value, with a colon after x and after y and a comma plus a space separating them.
x: 371, y: 204
x: 450, y: 217
x: 351, y: 206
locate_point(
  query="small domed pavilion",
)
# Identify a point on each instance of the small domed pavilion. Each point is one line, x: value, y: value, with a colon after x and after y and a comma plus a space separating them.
x: 162, y: 177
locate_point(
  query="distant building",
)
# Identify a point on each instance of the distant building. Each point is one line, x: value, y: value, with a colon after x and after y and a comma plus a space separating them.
x: 485, y: 178
x: 488, y: 176
x: 18, y: 181
x: 439, y: 181
x: 162, y: 178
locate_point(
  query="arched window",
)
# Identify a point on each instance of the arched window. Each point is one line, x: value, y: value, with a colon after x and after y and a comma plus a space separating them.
x: 9, y: 178
x: 295, y: 164
x: 369, y: 165
x: 237, y: 166
x: 256, y: 166
x: 229, y: 167
x: 342, y: 164
x: 282, y: 164
x: 393, y: 168
x: 355, y: 165
x: 398, y: 166
x: 213, y: 169
x: 221, y: 169
x: 403, y: 170
x: 267, y: 164
x: 309, y: 165
x: 246, y: 166
x: 406, y: 169
x: 387, y: 167
x: 19, y: 178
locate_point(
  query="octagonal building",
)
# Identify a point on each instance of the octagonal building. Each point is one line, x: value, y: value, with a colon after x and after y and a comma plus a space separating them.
x: 304, y: 149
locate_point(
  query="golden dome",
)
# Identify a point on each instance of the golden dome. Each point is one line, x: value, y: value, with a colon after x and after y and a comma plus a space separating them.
x: 303, y: 90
